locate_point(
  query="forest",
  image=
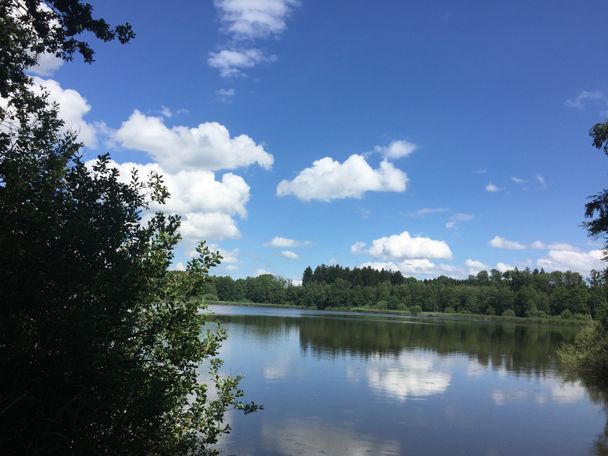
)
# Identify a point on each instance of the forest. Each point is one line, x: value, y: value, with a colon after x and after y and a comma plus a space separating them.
x: 525, y: 293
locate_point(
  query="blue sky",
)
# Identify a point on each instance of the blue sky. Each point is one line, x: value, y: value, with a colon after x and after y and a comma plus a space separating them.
x: 432, y: 137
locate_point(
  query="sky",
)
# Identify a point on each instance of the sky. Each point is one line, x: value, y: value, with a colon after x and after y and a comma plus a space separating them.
x: 430, y: 137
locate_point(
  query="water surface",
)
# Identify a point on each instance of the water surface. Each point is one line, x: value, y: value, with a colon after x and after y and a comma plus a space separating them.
x: 344, y: 384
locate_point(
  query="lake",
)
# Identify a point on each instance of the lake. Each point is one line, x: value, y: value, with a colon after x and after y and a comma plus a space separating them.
x: 336, y: 383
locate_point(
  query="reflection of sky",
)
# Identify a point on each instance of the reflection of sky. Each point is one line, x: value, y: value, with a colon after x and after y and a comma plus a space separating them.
x: 413, y: 402
x: 540, y: 390
x: 310, y: 437
x: 406, y: 375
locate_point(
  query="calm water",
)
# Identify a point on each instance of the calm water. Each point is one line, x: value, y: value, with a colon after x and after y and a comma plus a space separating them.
x: 338, y: 384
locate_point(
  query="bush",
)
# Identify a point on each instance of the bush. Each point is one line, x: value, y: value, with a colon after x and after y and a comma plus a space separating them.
x: 508, y: 313
x: 415, y: 310
x: 449, y: 310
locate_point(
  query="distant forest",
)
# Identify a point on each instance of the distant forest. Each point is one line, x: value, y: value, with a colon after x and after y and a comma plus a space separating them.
x: 525, y: 293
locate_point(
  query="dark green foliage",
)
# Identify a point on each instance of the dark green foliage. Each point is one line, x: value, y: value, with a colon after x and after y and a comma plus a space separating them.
x: 101, y: 342
x: 518, y: 293
x: 100, y: 345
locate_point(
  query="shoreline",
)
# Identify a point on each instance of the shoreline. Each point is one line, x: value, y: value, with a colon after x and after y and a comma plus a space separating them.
x: 551, y: 321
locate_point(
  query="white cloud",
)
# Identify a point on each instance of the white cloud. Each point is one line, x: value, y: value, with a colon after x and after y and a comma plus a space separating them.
x: 518, y: 180
x: 502, y: 243
x: 397, y: 149
x: 539, y: 245
x: 380, y: 265
x: 289, y: 254
x: 282, y: 242
x: 572, y: 260
x: 207, y: 205
x: 456, y: 218
x: 260, y: 272
x: 541, y: 180
x: 357, y: 247
x: 212, y: 225
x: 207, y: 146
x: 180, y: 266
x: 251, y: 19
x: 503, y: 267
x: 427, y: 211
x: 225, y: 95
x: 328, y: 179
x: 231, y: 267
x: 404, y: 246
x: 228, y: 256
x: 491, y: 188
x: 245, y: 21
x: 72, y: 108
x: 561, y: 246
x: 475, y: 266
x: 165, y: 111
x: 585, y: 96
x: 47, y: 64
x: 232, y: 62
x: 413, y: 267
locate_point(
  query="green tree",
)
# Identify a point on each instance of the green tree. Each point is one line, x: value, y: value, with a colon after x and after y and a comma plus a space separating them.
x: 100, y: 344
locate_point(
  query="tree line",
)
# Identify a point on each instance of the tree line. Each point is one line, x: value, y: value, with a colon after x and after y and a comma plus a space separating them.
x: 522, y: 293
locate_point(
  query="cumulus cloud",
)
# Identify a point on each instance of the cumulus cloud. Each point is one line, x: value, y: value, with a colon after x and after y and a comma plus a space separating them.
x: 208, y: 146
x: 475, y: 266
x: 397, y: 149
x: 491, y: 188
x: 503, y: 267
x: 328, y: 179
x: 572, y: 260
x: 457, y: 218
x: 403, y: 246
x: 246, y: 21
x: 584, y: 97
x: 357, y: 247
x: 232, y: 62
x: 251, y: 19
x: 283, y: 242
x: 414, y: 267
x: 46, y: 64
x: 72, y: 108
x: 518, y: 180
x: 211, y: 225
x: 501, y: 243
x: 289, y: 254
x: 207, y: 205
x: 228, y: 256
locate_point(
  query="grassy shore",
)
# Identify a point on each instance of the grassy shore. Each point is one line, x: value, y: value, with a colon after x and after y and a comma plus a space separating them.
x: 554, y: 321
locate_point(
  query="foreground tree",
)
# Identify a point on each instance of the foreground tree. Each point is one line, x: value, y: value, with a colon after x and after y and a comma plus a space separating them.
x: 100, y: 345
x: 588, y: 355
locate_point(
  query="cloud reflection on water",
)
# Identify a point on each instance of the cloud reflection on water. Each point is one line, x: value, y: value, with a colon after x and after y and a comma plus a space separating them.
x: 410, y: 374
